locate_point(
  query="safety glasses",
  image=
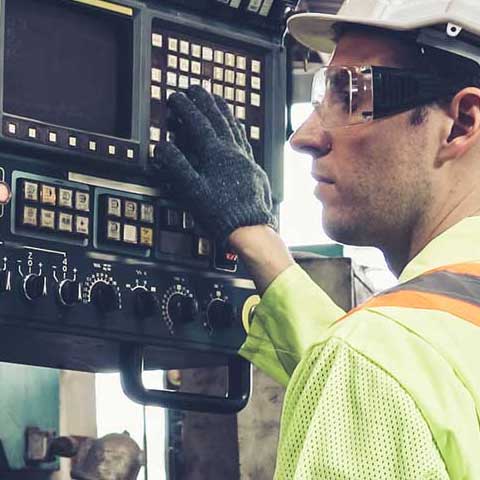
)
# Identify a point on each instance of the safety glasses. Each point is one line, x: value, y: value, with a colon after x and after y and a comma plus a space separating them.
x: 351, y: 95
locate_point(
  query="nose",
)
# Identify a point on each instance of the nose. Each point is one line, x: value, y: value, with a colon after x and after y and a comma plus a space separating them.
x: 311, y: 138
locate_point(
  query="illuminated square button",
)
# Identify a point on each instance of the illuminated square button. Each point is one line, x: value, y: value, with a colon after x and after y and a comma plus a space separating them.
x: 146, y: 236
x: 112, y: 149
x: 229, y: 93
x: 204, y: 247
x: 172, y: 79
x: 169, y: 92
x: 207, y: 85
x: 52, y: 137
x: 256, y: 66
x: 184, y: 47
x: 72, y: 141
x: 196, y: 68
x: 155, y: 134
x: 130, y: 234
x: 229, y: 76
x: 32, y: 132
x: 12, y: 128
x: 240, y: 79
x: 114, y: 207
x: 151, y: 150
x: 114, y: 231
x: 65, y: 222
x: 30, y: 191
x: 30, y: 216
x: 231, y: 107
x: 48, y: 195
x: 156, y: 75
x: 254, y: 133
x: 172, y: 61
x: 255, y: 99
x: 156, y: 92
x: 218, y: 89
x: 240, y: 112
x: 218, y: 56
x: 195, y: 81
x: 207, y: 54
x: 183, y: 81
x: 188, y: 221
x: 240, y: 96
x: 241, y: 63
x: 173, y: 44
x: 218, y: 74
x: 157, y: 40
x: 82, y: 201
x: 229, y: 59
x: 146, y: 212
x: 255, y: 83
x: 65, y: 198
x: 47, y: 219
x: 130, y: 153
x: 131, y: 209
x: 81, y: 225
x: 196, y: 51
x: 184, y: 65
x: 92, y: 145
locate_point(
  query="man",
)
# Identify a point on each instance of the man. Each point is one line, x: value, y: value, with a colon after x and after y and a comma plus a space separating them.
x: 390, y: 390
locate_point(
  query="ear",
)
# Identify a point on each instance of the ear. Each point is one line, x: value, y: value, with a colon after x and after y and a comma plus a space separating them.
x: 464, y: 112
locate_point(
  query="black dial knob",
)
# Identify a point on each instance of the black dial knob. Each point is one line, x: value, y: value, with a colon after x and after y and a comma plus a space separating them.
x: 144, y: 302
x: 34, y: 286
x: 104, y: 296
x: 69, y: 293
x: 220, y: 314
x: 182, y: 309
x: 4, y: 281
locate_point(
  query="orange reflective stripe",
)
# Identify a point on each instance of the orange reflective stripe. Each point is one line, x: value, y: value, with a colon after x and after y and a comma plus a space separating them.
x: 429, y: 301
x: 465, y: 268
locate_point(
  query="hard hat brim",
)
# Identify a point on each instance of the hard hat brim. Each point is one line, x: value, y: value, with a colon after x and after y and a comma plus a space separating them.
x: 315, y: 30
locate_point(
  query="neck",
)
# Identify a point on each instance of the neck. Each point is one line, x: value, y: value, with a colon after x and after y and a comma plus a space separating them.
x: 398, y: 255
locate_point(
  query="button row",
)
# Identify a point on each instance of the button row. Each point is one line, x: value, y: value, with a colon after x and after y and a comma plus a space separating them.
x: 207, y: 53
x: 57, y: 138
x: 180, y: 220
x: 61, y: 222
x: 131, y: 234
x: 132, y: 209
x: 51, y: 195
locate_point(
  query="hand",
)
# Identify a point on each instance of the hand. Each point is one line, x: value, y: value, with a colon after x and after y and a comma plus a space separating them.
x: 215, y: 172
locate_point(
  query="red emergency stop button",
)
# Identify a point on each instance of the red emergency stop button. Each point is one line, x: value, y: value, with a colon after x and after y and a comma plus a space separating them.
x: 5, y: 193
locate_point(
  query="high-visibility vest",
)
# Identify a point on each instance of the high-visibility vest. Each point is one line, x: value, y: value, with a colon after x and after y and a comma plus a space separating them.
x: 452, y: 290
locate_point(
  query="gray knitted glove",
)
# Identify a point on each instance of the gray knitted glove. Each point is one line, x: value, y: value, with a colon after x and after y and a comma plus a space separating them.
x: 213, y: 168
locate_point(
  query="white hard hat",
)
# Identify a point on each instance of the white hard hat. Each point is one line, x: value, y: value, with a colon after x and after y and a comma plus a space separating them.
x: 314, y: 30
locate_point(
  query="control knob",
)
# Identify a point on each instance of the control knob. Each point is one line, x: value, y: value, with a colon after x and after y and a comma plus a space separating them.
x: 104, y: 296
x: 144, y: 302
x: 181, y: 309
x: 34, y: 286
x: 220, y: 314
x: 69, y: 293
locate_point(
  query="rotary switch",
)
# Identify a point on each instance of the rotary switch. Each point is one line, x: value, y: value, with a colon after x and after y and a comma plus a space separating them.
x: 34, y: 286
x: 220, y: 314
x: 144, y: 302
x: 104, y: 296
x: 69, y: 293
x: 179, y: 306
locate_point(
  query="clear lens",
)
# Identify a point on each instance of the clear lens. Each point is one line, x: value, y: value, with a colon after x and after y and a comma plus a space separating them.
x: 343, y: 96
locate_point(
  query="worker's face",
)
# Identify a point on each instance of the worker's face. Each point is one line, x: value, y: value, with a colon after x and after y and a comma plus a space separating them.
x: 373, y: 179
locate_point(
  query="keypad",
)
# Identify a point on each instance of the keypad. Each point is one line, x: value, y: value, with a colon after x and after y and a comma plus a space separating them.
x: 179, y: 62
x: 57, y: 209
x: 127, y: 221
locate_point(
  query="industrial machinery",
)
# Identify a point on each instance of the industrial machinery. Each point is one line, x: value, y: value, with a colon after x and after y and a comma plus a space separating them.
x: 100, y: 267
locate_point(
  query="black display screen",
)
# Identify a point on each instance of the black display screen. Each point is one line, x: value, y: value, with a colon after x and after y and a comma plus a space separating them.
x: 70, y: 65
